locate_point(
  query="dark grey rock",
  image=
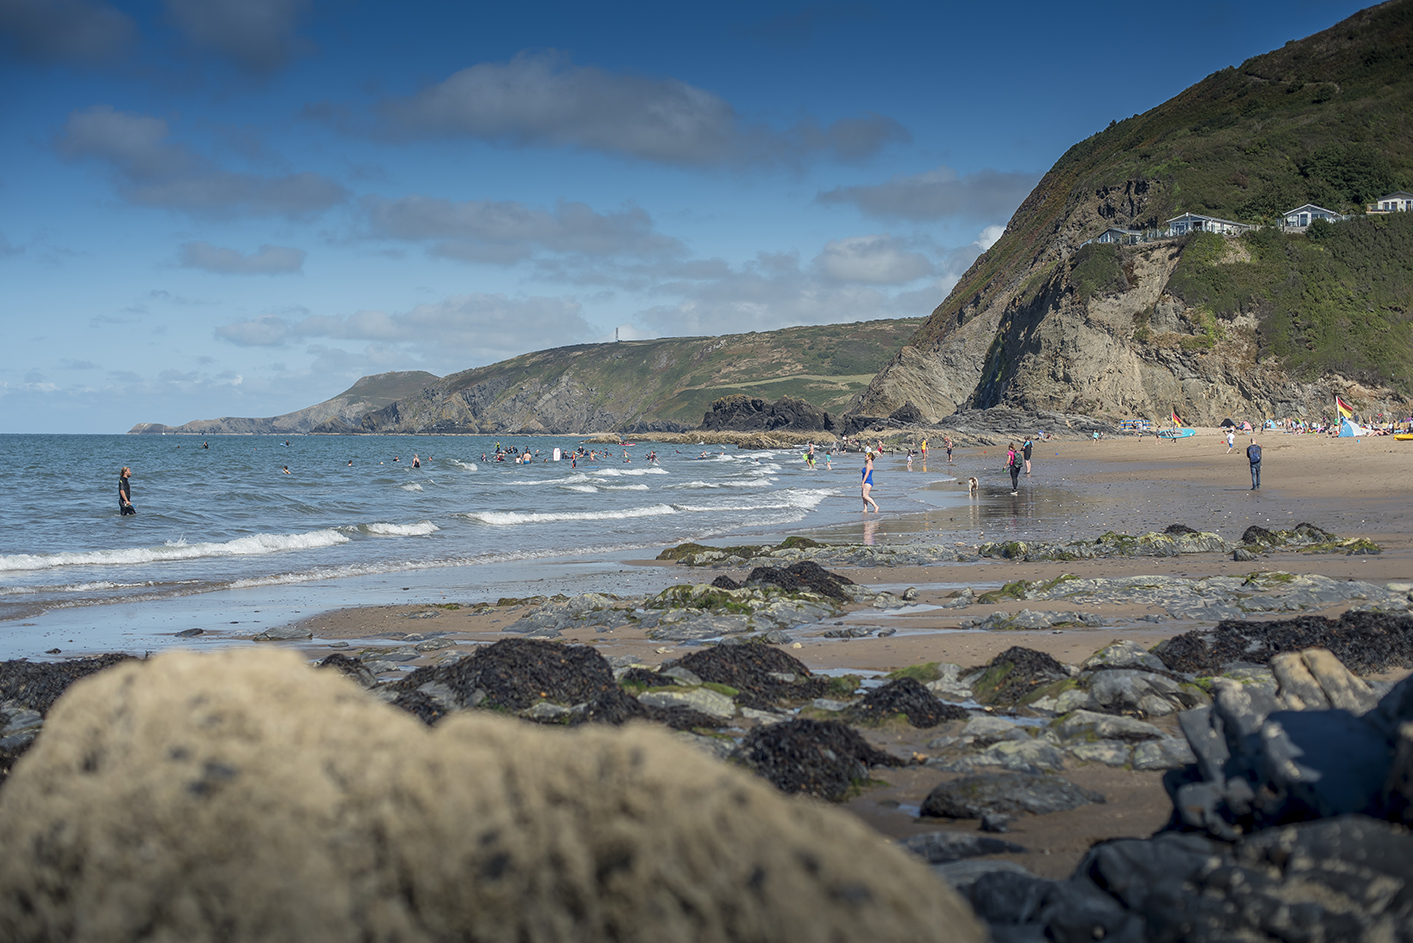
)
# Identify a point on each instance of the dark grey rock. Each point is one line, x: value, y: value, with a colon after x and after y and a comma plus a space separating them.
x: 943, y: 846
x: 996, y: 823
x: 971, y: 797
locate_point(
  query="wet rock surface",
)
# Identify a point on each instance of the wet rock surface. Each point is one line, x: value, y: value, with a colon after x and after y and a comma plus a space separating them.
x: 971, y: 797
x: 1289, y: 824
x: 823, y: 758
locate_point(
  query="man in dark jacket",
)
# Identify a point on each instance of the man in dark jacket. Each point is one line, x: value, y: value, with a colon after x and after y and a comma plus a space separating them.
x: 1253, y: 455
x: 125, y: 492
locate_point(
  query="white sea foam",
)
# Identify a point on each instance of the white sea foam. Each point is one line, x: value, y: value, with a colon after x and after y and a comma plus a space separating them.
x: 411, y: 486
x: 617, y: 472
x: 507, y: 518
x: 420, y: 529
x: 468, y: 466
x: 624, y: 487
x: 174, y: 550
x: 586, y: 489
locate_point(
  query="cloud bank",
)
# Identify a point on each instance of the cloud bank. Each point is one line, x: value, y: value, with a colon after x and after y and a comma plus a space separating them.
x: 938, y: 194
x: 76, y: 32
x: 258, y: 36
x: 152, y: 171
x: 544, y: 100
x: 505, y: 232
x: 268, y: 260
x: 457, y: 332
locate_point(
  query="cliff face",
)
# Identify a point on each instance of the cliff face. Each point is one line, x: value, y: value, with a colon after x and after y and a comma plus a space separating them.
x: 1263, y: 325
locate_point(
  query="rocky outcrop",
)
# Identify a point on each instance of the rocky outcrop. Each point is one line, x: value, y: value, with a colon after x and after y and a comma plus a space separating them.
x: 738, y: 413
x: 243, y: 796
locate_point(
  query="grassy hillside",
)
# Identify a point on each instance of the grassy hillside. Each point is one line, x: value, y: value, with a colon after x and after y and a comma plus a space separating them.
x: 1327, y: 119
x: 677, y: 378
x: 1338, y: 299
x: 384, y: 388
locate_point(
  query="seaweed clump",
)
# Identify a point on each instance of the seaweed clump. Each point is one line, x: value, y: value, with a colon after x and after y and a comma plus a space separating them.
x: 908, y: 697
x: 763, y: 675
x: 805, y: 576
x: 1366, y: 642
x: 1015, y: 673
x: 824, y: 758
x: 514, y: 674
x: 37, y: 685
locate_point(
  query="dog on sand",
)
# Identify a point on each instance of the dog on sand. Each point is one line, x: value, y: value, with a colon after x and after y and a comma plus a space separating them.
x: 973, y: 485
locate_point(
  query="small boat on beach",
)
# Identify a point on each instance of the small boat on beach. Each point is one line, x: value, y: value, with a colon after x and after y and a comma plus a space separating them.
x: 1403, y: 436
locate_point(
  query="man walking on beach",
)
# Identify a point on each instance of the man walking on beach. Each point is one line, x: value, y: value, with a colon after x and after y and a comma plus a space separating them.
x: 1253, y: 455
x: 125, y: 492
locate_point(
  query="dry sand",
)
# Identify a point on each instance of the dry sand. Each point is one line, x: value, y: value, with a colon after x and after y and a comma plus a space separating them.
x: 1077, y: 489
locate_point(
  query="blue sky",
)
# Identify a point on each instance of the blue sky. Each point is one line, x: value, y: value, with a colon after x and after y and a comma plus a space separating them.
x: 238, y: 207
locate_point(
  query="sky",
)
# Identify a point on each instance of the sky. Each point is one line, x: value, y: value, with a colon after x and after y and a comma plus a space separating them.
x: 238, y: 207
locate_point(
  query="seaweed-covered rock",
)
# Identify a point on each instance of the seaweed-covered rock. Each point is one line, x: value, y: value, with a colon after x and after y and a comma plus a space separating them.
x: 908, y: 697
x: 1016, y: 673
x: 241, y: 796
x: 37, y: 685
x: 351, y: 668
x: 824, y: 758
x: 763, y: 675
x: 1366, y: 642
x: 971, y: 797
x: 516, y: 674
x: 805, y: 576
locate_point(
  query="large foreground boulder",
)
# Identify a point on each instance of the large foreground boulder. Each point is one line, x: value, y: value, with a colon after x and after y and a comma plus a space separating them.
x: 242, y: 796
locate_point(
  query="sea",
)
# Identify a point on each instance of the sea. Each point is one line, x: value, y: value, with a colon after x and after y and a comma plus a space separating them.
x: 222, y: 530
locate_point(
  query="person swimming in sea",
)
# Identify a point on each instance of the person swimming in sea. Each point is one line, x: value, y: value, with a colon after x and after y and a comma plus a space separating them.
x: 416, y: 462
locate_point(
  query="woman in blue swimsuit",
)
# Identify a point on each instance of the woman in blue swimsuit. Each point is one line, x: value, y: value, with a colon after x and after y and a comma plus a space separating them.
x: 868, y: 483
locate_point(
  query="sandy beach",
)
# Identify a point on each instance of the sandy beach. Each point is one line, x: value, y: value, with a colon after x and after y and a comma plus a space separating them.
x: 1077, y: 489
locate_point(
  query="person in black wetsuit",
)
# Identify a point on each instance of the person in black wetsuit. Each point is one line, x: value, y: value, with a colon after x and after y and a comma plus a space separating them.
x: 125, y: 492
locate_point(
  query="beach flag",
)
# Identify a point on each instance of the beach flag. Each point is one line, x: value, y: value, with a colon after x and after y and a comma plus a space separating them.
x: 1177, y: 421
x: 1343, y: 407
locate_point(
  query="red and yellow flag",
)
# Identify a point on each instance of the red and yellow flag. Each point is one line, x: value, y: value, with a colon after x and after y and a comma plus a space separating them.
x: 1177, y: 420
x: 1343, y: 407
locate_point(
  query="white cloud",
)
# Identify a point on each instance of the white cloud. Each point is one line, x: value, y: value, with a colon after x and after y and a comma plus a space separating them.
x: 268, y: 260
x: 938, y: 193
x: 544, y: 100
x: 72, y: 31
x: 454, y: 333
x: 878, y: 259
x: 257, y: 35
x: 152, y: 171
x: 505, y: 232
x: 989, y: 236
